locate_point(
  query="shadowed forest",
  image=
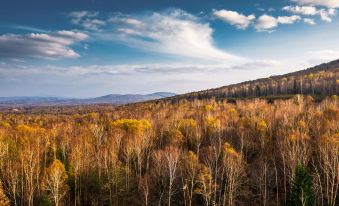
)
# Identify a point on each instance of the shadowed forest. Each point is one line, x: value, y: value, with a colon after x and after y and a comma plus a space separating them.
x: 200, y: 152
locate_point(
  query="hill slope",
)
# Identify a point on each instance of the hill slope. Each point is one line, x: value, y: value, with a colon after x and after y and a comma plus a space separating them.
x: 319, y: 80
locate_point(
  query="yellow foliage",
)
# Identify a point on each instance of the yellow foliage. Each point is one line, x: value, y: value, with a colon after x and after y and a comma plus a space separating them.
x: 133, y: 126
x: 176, y: 135
x: 205, y: 184
x: 311, y: 76
x: 292, y: 137
x: 229, y: 150
x: 187, y: 123
x: 333, y: 140
x: 297, y: 137
x: 4, y: 201
x: 191, y: 161
x: 301, y: 124
x: 25, y: 129
x: 212, y: 123
x: 55, y: 181
x: 4, y: 124
x: 57, y: 168
x: 297, y: 100
x: 262, y: 126
x: 232, y: 112
x: 208, y: 107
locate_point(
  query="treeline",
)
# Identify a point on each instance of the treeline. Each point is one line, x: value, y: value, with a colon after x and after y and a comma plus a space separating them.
x: 322, y: 80
x: 200, y: 152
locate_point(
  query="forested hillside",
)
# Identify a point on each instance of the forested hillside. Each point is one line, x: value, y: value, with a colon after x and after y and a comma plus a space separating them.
x: 201, y: 152
x: 200, y: 149
x: 320, y: 80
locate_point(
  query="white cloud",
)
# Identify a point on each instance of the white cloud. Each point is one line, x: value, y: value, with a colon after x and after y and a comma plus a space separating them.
x: 134, y: 69
x: 309, y: 21
x: 174, y: 32
x: 304, y: 10
x: 322, y: 56
x: 87, y: 19
x: 125, y: 20
x: 288, y: 19
x: 96, y: 80
x: 325, y: 3
x: 234, y: 18
x: 268, y: 23
x: 93, y: 24
x: 263, y: 23
x: 77, y: 16
x: 325, y: 14
x: 53, y: 45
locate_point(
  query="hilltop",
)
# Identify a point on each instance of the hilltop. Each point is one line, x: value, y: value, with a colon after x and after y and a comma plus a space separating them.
x: 321, y: 80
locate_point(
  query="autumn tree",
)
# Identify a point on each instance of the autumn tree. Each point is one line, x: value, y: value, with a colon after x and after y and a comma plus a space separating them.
x: 54, y: 181
x: 189, y: 169
x: 234, y: 170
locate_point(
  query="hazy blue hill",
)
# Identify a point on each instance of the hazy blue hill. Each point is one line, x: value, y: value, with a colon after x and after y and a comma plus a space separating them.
x: 107, y: 99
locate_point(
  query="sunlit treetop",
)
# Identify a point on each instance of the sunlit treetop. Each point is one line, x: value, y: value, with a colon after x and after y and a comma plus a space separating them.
x: 132, y: 126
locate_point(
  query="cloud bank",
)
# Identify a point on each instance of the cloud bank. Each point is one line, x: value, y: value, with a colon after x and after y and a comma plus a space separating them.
x: 38, y: 45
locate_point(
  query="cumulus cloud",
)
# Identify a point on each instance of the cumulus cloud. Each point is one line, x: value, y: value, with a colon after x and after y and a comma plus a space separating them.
x: 304, y: 10
x: 325, y: 3
x: 288, y: 19
x: 268, y: 23
x: 93, y: 24
x: 40, y: 45
x: 174, y: 32
x: 325, y: 14
x: 77, y: 16
x: 234, y: 18
x: 263, y: 23
x: 87, y: 19
x: 309, y: 21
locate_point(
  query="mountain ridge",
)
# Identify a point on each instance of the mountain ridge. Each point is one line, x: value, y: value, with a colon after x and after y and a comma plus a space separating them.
x: 106, y: 99
x: 317, y: 80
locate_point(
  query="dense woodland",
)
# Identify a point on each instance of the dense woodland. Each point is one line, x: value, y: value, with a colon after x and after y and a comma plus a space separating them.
x: 321, y: 80
x: 198, y: 152
x: 235, y: 145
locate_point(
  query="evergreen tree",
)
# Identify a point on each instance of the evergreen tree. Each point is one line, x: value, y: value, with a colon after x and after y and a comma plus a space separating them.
x: 301, y: 190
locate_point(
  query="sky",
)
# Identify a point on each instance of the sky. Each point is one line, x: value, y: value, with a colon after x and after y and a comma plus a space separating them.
x: 91, y: 48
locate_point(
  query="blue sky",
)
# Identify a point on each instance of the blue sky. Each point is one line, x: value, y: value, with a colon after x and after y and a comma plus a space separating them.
x: 71, y: 49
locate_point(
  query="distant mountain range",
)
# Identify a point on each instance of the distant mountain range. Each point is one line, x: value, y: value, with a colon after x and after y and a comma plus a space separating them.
x: 107, y: 99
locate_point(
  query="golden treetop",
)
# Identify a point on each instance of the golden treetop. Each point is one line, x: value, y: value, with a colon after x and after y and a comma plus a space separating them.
x: 262, y: 126
x: 133, y: 126
x: 229, y: 150
x: 208, y: 107
x: 187, y: 123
